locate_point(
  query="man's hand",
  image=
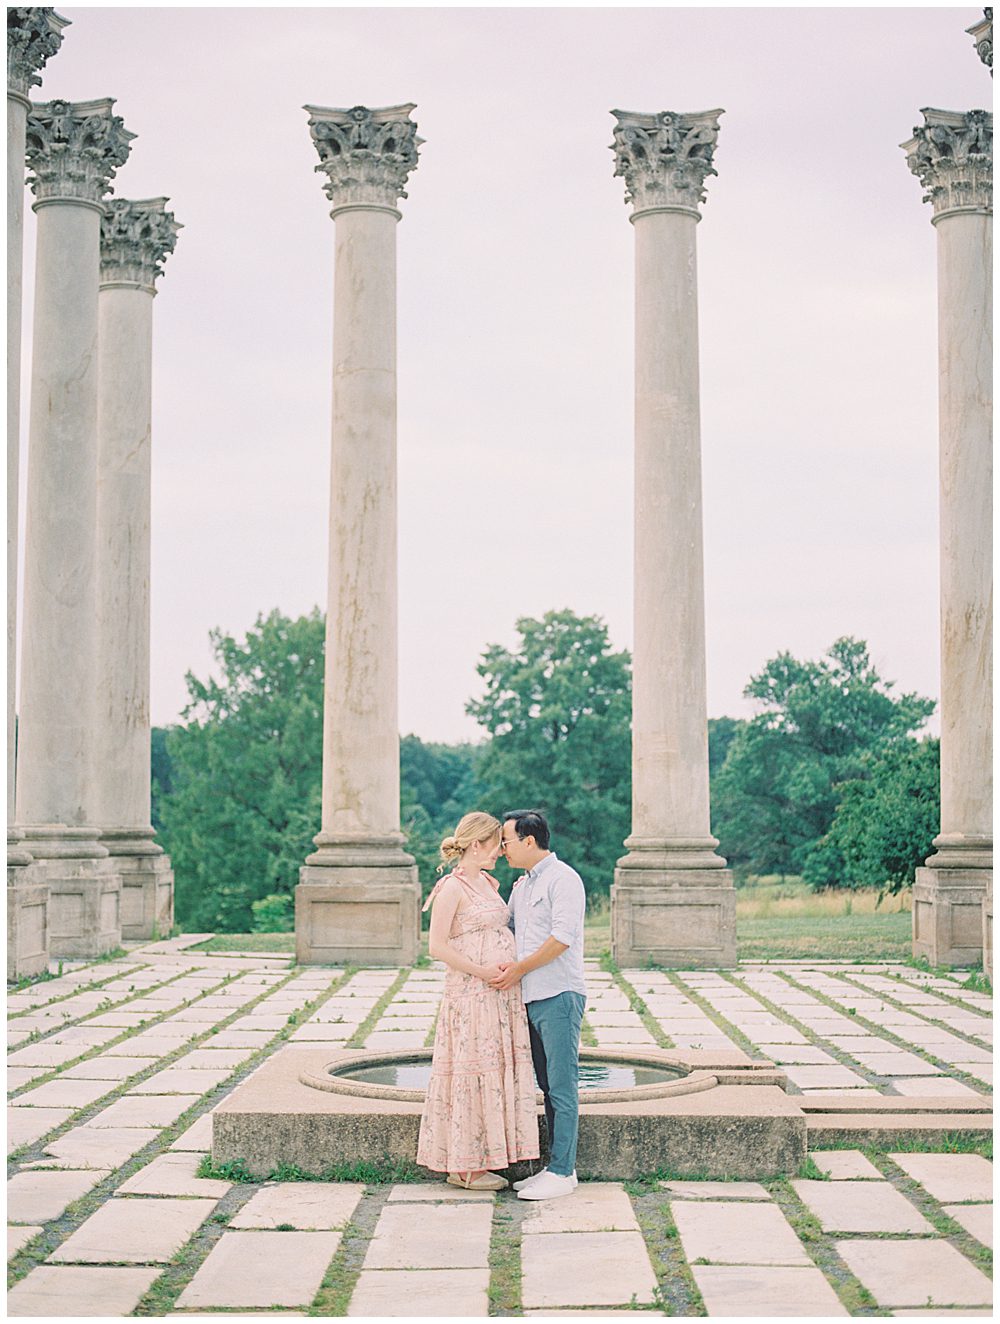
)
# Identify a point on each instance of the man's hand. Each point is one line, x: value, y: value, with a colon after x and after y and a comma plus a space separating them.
x: 491, y: 972
x: 509, y: 976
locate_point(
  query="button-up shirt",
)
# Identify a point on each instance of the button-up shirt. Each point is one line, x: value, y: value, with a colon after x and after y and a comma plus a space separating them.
x: 549, y: 902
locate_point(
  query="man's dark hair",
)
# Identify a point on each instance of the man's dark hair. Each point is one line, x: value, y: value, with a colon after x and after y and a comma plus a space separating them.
x: 529, y: 823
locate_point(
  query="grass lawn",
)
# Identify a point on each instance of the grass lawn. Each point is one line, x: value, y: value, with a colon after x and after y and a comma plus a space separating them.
x: 776, y: 919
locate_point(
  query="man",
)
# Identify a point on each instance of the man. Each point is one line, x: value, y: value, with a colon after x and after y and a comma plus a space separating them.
x: 547, y: 908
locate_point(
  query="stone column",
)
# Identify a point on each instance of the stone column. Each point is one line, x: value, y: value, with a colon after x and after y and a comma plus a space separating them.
x: 73, y: 151
x: 358, y: 898
x: 672, y: 900
x: 982, y: 34
x: 136, y: 238
x: 33, y: 36
x: 951, y: 153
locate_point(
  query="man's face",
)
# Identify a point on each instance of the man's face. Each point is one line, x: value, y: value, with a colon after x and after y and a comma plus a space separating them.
x: 515, y: 850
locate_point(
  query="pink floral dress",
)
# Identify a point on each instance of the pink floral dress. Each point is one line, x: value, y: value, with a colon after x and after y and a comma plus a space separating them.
x: 480, y: 1108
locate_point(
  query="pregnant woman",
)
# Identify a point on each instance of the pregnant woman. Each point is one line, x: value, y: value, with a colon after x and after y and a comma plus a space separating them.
x: 480, y: 1108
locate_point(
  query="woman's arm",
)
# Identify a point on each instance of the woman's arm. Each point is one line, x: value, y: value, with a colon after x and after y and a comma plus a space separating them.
x: 442, y: 914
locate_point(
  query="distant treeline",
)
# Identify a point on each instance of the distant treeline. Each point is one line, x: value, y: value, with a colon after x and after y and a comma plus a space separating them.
x: 828, y: 780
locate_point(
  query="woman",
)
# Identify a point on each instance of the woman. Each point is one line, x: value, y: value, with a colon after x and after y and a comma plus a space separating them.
x: 480, y: 1108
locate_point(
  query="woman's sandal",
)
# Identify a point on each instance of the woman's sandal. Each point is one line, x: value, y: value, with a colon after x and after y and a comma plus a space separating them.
x: 486, y: 1181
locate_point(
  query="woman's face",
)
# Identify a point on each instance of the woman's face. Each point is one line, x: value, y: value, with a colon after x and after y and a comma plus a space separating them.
x: 488, y: 851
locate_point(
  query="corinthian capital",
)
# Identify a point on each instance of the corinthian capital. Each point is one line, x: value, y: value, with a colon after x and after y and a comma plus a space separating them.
x: 951, y: 154
x: 365, y: 154
x: 74, y: 149
x: 982, y: 34
x: 136, y: 238
x: 665, y: 158
x: 33, y: 36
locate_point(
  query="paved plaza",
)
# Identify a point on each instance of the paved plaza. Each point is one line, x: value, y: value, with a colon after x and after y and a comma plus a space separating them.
x: 115, y: 1067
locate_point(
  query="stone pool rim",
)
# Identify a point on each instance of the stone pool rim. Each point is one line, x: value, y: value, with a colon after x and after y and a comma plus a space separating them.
x: 692, y: 1080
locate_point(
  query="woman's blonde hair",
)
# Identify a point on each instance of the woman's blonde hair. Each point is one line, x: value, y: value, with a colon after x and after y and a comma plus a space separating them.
x: 473, y: 827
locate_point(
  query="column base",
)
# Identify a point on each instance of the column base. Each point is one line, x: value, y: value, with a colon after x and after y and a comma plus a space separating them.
x: 681, y: 917
x: 988, y: 929
x: 84, y: 889
x: 147, y: 883
x: 948, y: 901
x: 361, y: 908
x: 27, y: 921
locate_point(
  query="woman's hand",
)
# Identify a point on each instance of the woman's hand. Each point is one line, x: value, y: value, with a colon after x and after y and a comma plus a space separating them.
x: 490, y: 972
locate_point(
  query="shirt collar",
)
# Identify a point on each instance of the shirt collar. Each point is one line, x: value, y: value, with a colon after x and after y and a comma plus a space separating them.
x: 542, y: 863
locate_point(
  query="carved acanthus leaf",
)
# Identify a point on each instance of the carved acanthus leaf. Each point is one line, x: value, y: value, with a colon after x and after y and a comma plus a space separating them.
x: 951, y: 154
x: 665, y: 158
x: 136, y: 238
x: 982, y: 34
x: 33, y: 37
x: 74, y: 148
x: 365, y: 154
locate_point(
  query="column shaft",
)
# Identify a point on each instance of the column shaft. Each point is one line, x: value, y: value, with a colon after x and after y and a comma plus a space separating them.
x: 361, y: 726
x: 17, y: 111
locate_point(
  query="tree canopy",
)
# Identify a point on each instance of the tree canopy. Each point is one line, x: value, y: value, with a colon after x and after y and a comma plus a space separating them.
x: 820, y: 724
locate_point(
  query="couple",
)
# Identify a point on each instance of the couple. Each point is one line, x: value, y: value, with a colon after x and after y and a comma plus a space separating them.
x: 510, y: 1001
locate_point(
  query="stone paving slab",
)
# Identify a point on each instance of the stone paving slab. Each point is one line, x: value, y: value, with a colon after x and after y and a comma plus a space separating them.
x: 60, y: 1293
x: 198, y: 1136
x: 409, y: 1192
x: 431, y: 1237
x: 766, y: 1292
x: 71, y: 1094
x: 18, y: 1077
x: 916, y: 1273
x: 716, y: 1190
x: 18, y: 1238
x: 736, y: 1233
x: 262, y: 1269
x: 157, y: 1045
x: 108, y: 1068
x: 45, y: 1054
x: 421, y: 1293
x: 99, y: 1147
x: 26, y: 1125
x: 38, y: 1197
x: 845, y: 1165
x: 824, y: 1078
x: 592, y: 1207
x: 212, y: 1058
x: 173, y: 1174
x: 864, y: 1206
x: 182, y: 1080
x: 396, y: 1039
x: 797, y: 1054
x: 141, y: 1110
x: 977, y: 1219
x: 935, y: 1087
x: 306, y: 1206
x: 585, y: 1269
x: 950, y: 1177
x: 134, y: 1231
x: 254, y: 1039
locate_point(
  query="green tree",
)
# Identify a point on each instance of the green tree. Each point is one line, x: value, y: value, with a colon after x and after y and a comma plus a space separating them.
x: 558, y: 708
x: 776, y: 794
x: 885, y: 822
x: 246, y: 767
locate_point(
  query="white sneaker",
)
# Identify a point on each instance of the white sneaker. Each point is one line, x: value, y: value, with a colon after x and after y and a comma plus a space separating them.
x: 526, y: 1181
x: 548, y: 1186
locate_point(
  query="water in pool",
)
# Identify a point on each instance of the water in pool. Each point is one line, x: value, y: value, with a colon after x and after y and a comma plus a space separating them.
x: 593, y: 1075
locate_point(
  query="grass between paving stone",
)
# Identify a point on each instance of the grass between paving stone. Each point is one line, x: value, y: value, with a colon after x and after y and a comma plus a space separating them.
x: 387, y: 1171
x: 504, y: 1291
x: 647, y: 1182
x: 948, y: 1227
x: 357, y: 1039
x: 676, y: 1291
x: 881, y: 1031
x: 252, y: 944
x: 89, y: 987
x: 716, y: 1017
x: 643, y: 1012
x: 127, y: 1030
x: 587, y: 1036
x: 59, y: 1229
x: 429, y: 1036
x: 822, y: 1247
x: 340, y: 1279
x: 916, y: 1009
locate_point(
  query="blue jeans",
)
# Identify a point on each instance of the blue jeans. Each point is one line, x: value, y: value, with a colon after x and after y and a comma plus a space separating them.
x: 554, y: 1026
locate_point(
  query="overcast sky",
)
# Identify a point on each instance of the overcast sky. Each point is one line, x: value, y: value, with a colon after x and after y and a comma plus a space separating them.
x: 817, y: 310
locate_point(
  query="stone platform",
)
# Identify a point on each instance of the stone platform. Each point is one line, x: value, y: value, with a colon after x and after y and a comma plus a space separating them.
x: 116, y: 1069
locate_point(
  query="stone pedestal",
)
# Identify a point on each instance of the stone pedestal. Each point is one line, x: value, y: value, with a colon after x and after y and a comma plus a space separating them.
x: 672, y: 901
x: 73, y: 151
x: 136, y: 238
x: 952, y: 155
x: 358, y: 897
x: 988, y: 929
x: 27, y: 922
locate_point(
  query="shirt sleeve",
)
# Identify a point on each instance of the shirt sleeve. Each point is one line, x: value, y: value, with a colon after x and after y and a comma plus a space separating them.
x: 569, y: 903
